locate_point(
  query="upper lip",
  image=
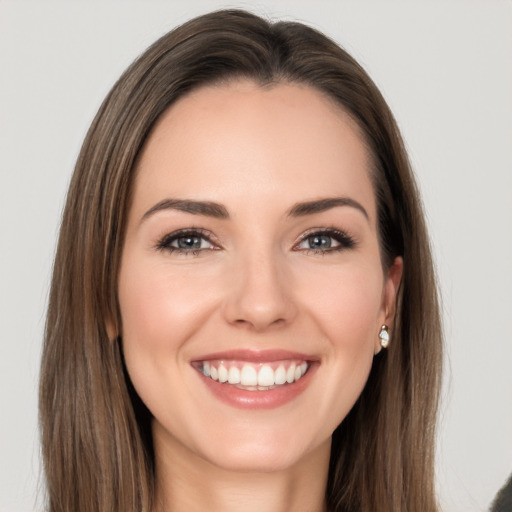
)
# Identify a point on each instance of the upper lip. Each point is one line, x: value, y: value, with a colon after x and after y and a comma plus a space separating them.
x: 256, y: 356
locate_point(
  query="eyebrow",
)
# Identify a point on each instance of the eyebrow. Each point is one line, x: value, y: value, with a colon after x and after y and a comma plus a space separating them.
x: 207, y: 208
x: 321, y: 205
x: 218, y: 211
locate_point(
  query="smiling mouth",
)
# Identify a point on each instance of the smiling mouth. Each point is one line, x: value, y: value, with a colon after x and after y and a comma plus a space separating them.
x: 251, y: 376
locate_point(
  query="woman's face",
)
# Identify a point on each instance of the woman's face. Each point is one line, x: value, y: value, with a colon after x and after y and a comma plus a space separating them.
x: 251, y: 287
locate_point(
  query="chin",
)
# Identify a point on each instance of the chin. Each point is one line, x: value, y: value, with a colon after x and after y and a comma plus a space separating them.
x: 261, y: 454
x: 254, y: 462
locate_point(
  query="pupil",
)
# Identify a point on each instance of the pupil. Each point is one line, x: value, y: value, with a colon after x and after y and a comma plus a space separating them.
x: 319, y: 242
x: 189, y: 242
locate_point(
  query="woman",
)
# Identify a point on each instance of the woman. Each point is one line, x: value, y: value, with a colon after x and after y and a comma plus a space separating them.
x: 242, y: 240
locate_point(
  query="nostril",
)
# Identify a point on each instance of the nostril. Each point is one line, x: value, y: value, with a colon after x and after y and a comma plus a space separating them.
x: 259, y: 324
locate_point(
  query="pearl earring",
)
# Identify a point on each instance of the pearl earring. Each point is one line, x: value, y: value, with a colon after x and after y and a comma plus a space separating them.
x: 384, y: 336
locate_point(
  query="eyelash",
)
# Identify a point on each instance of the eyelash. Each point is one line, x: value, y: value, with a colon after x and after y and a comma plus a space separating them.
x: 165, y: 243
x: 343, y: 239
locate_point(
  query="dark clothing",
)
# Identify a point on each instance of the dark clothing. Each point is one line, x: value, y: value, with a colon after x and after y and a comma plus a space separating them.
x: 503, y: 500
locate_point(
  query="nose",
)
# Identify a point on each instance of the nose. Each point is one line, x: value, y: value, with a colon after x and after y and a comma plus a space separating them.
x: 259, y: 293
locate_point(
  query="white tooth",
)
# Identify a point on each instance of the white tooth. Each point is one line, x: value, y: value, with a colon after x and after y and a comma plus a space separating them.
x: 266, y: 376
x: 248, y: 377
x: 206, y: 369
x: 223, y: 373
x: 234, y: 375
x: 290, y: 374
x: 298, y: 373
x: 303, y: 367
x: 280, y: 375
x: 213, y: 373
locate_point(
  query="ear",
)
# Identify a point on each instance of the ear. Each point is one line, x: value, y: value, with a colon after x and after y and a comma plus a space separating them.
x: 389, y: 295
x: 112, y: 330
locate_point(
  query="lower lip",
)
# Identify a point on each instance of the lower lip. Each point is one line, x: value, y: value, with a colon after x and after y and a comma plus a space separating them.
x: 270, y: 399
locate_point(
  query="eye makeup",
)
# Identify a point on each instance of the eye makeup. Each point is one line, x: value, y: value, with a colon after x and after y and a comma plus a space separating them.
x: 189, y: 241
x: 192, y: 241
x: 324, y: 241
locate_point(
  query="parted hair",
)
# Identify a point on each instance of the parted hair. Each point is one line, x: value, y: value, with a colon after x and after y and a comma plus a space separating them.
x: 96, y: 437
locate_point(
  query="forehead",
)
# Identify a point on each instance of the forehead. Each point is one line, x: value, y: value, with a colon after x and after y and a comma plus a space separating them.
x: 247, y: 142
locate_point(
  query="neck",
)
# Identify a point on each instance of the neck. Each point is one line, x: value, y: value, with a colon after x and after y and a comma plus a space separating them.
x: 187, y: 482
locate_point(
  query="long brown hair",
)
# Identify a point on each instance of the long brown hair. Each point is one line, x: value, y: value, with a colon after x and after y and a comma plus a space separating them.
x: 96, y: 438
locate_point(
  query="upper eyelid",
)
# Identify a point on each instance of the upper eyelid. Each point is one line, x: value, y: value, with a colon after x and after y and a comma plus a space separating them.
x: 190, y: 231
x: 324, y: 231
x: 312, y: 231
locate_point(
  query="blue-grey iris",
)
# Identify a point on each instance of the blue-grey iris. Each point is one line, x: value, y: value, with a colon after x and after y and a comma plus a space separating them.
x: 319, y: 242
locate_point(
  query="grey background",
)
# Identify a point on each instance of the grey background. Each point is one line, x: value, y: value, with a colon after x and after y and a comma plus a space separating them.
x: 445, y: 68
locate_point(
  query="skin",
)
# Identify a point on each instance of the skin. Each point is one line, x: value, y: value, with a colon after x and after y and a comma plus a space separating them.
x: 255, y: 285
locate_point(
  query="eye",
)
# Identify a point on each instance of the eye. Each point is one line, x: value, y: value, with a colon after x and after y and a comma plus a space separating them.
x: 324, y: 241
x: 186, y: 242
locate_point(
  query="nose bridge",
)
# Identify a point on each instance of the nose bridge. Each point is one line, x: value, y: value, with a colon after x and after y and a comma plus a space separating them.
x: 260, y: 289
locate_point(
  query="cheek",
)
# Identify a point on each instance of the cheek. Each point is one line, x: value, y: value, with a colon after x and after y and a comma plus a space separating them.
x: 345, y: 303
x: 157, y: 308
x: 160, y: 310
